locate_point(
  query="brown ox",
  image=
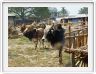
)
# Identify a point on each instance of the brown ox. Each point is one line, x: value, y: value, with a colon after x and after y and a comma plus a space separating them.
x: 32, y: 32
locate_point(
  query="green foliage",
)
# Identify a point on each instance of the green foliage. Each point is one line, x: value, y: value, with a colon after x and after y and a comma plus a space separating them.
x: 41, y: 12
x: 23, y: 12
x: 20, y: 12
x: 83, y: 10
x: 64, y: 12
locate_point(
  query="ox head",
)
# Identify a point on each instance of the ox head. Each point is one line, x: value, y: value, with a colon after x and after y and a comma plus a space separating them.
x: 54, y: 34
x: 28, y: 31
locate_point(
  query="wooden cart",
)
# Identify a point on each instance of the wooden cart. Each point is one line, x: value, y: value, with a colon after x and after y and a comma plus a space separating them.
x: 77, y: 44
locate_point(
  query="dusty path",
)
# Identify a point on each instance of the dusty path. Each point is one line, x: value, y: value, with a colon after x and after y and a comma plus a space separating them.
x: 21, y: 53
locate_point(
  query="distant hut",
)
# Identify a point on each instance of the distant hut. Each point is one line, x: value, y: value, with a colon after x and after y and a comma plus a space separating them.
x: 11, y: 19
x: 77, y: 18
x: 74, y: 19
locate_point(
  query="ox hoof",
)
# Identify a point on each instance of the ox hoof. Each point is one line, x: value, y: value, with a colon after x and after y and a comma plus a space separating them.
x: 60, y: 62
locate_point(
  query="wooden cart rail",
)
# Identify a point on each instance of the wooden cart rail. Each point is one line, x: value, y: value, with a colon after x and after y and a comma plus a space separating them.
x: 82, y: 49
x: 76, y: 44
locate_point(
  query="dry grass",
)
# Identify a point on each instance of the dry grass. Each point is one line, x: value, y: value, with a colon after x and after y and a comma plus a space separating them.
x: 21, y: 53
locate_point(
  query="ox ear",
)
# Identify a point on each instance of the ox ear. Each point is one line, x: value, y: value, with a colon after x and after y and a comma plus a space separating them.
x: 25, y: 29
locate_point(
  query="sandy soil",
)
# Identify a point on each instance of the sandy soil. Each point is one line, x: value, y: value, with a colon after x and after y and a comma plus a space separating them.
x: 21, y: 53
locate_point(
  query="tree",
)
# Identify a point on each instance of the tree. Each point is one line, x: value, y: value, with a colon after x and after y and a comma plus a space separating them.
x: 64, y: 12
x: 83, y: 10
x: 53, y: 11
x: 21, y: 12
x: 41, y: 12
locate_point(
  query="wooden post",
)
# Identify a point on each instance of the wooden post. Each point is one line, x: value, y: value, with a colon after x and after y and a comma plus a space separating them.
x: 73, y: 54
x: 69, y: 36
x: 82, y: 29
x: 78, y: 40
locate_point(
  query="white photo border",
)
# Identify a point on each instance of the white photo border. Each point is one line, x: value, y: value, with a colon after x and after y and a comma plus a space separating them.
x: 5, y: 67
x: 0, y: 37
x: 94, y: 37
x: 48, y: 73
x: 46, y: 1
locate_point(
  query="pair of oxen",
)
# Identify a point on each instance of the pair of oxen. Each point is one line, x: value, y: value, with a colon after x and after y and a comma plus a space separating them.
x: 54, y: 34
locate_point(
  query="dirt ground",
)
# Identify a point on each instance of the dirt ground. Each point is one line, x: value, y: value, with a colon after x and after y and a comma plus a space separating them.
x: 21, y: 53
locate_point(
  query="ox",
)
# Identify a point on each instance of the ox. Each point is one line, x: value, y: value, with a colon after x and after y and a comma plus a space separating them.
x: 32, y: 32
x: 55, y: 35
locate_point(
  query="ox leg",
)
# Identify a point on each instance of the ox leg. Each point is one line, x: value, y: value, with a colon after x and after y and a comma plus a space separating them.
x: 60, y: 56
x: 36, y: 44
x: 40, y: 43
x: 43, y: 43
